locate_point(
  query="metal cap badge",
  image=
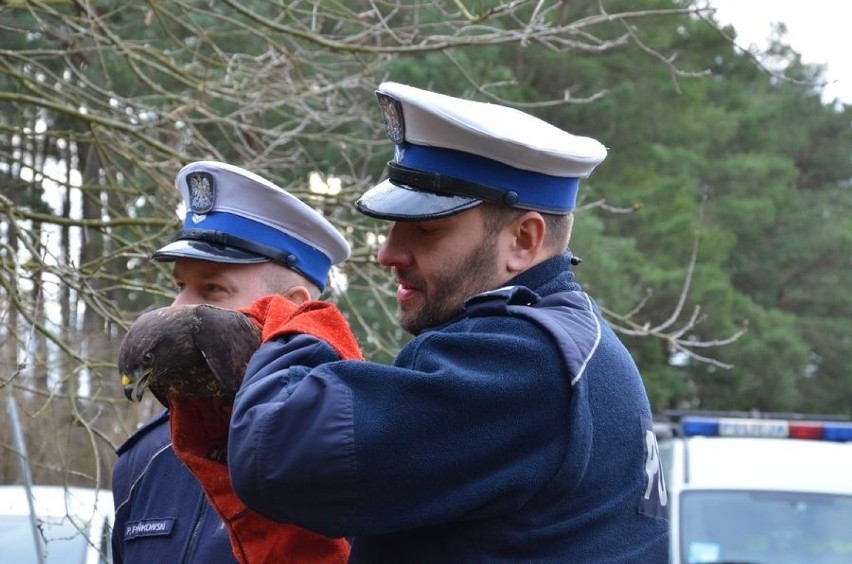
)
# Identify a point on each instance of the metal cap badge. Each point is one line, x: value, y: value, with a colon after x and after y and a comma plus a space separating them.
x: 202, y: 191
x: 235, y: 216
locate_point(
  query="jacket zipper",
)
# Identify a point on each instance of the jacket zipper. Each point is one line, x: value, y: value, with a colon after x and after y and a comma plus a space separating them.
x: 196, y: 530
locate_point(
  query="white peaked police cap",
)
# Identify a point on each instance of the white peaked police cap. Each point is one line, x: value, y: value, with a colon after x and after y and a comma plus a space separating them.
x: 452, y: 154
x: 236, y: 216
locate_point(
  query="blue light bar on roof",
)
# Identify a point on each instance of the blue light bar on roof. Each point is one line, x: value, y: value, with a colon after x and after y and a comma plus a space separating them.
x: 772, y: 428
x: 841, y: 432
x: 700, y: 426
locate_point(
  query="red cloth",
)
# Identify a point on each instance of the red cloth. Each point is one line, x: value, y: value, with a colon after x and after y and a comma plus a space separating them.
x: 199, y: 429
x: 276, y: 316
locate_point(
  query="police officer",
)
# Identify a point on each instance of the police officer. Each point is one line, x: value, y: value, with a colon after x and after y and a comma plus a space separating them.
x: 243, y: 237
x: 514, y: 426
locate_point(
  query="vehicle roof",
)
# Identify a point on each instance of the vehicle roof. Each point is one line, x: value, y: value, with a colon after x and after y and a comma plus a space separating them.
x: 50, y: 501
x: 768, y: 464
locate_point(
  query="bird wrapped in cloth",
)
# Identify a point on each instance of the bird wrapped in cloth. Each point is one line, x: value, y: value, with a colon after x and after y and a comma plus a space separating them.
x: 193, y: 359
x: 190, y: 351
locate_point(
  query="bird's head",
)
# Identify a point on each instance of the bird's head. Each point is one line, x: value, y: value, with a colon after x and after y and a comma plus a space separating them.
x: 135, y: 367
x: 186, y: 351
x: 148, y: 350
x: 138, y: 355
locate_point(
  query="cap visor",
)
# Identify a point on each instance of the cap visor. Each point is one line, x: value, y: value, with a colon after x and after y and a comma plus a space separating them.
x: 202, y: 250
x: 403, y: 203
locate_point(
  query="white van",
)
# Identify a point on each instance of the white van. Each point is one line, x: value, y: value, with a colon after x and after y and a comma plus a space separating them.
x: 755, y: 490
x: 72, y: 525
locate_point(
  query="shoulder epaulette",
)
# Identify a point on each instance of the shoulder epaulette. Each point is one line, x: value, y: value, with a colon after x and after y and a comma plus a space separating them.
x: 495, y: 302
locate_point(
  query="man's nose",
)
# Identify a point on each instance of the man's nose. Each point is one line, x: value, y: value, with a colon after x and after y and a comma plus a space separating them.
x: 393, y: 251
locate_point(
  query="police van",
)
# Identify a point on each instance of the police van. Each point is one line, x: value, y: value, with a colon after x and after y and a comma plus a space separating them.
x: 757, y: 488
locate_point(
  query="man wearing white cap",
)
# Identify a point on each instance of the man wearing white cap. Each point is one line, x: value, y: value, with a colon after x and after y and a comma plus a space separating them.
x: 515, y: 426
x: 243, y: 238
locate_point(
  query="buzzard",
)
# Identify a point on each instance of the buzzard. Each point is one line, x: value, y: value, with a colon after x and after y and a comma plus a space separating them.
x: 195, y: 351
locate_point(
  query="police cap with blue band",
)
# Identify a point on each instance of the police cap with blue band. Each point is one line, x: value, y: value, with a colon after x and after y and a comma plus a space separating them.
x: 453, y: 154
x: 235, y: 216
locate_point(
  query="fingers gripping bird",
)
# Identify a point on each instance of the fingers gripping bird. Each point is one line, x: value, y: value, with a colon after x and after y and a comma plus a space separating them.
x: 191, y: 351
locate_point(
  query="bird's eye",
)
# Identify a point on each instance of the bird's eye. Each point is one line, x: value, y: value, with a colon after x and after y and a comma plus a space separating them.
x: 147, y: 358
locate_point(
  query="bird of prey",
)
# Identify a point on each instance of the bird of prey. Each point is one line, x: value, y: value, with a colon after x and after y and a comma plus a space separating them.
x: 190, y: 350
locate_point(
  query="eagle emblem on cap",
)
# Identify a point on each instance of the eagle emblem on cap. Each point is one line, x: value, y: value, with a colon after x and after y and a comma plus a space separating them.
x: 392, y: 116
x: 202, y: 192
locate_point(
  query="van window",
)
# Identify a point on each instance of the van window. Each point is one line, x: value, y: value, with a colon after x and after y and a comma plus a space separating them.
x: 765, y: 526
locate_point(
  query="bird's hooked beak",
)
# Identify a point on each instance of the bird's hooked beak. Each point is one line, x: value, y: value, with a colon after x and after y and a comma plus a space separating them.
x: 135, y: 384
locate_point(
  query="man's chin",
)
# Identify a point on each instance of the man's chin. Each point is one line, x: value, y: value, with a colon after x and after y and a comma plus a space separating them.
x: 408, y: 322
x: 412, y: 319
x: 415, y: 321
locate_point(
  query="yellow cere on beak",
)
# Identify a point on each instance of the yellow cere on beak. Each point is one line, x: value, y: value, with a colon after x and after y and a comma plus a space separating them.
x: 126, y: 380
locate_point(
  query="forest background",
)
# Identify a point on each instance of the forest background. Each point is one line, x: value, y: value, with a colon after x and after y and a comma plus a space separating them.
x: 715, y: 236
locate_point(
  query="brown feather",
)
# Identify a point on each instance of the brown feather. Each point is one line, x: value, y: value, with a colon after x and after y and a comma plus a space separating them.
x: 190, y: 351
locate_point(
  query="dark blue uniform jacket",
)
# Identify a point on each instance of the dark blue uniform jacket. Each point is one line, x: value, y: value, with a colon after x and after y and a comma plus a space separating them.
x: 161, y: 513
x: 520, y: 431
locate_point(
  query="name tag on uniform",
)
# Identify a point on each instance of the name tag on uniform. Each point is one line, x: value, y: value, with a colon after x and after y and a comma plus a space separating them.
x: 149, y: 528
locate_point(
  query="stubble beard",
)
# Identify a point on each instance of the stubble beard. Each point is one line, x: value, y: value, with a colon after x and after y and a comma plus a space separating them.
x: 448, y: 292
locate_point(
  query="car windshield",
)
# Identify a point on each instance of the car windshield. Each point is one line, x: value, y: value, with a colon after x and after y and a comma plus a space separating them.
x: 63, y: 542
x: 764, y: 527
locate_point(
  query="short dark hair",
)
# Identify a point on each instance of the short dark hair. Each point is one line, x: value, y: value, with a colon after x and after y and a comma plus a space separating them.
x: 495, y: 217
x: 279, y: 279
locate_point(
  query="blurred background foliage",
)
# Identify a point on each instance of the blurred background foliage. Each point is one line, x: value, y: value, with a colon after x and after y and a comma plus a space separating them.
x: 715, y: 236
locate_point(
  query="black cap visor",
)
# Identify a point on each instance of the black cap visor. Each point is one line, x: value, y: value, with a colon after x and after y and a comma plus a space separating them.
x: 398, y: 202
x: 204, y: 250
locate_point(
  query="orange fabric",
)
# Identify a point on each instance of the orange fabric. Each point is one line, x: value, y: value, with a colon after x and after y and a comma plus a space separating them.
x: 277, y: 316
x: 269, y: 311
x: 199, y: 428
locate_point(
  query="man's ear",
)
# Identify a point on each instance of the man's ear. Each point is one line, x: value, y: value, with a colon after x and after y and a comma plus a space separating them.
x: 298, y: 295
x: 526, y: 233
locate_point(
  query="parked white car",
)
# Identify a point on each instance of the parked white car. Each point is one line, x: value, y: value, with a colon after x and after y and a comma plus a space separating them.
x: 73, y: 525
x: 750, y: 490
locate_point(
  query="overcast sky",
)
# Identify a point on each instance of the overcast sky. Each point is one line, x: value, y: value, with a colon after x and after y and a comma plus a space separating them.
x: 818, y: 29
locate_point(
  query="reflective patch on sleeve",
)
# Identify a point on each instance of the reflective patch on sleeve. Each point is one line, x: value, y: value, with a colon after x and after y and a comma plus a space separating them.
x: 655, y: 498
x: 149, y: 528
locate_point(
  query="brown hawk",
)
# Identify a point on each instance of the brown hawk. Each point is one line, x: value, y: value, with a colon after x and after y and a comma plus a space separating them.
x: 192, y: 351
